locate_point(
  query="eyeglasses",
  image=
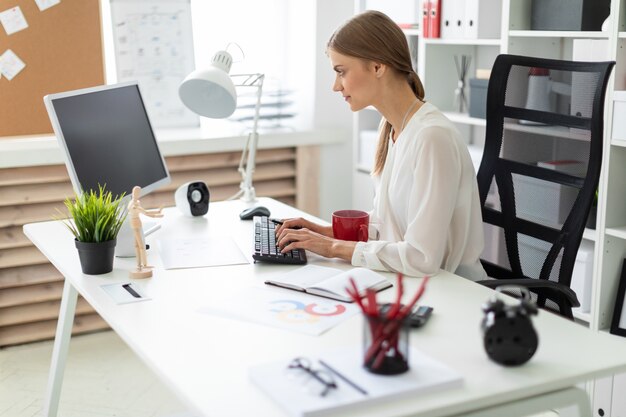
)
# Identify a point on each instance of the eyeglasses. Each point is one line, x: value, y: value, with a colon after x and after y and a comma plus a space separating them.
x: 320, y: 375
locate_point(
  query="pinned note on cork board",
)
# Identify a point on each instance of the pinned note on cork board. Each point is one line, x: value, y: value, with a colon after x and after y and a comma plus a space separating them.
x: 46, y: 46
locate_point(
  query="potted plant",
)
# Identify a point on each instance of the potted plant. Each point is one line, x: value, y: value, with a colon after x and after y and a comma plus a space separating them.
x: 95, y: 220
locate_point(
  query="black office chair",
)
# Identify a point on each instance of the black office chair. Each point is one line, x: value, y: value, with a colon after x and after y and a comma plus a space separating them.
x: 539, y: 172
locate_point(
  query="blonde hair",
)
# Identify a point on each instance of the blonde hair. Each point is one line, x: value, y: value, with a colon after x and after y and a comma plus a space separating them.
x: 373, y: 36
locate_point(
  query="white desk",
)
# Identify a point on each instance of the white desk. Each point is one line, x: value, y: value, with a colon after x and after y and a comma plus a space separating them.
x: 205, y: 359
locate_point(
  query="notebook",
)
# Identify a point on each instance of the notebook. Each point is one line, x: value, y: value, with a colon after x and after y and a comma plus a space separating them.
x: 330, y: 282
x: 425, y: 376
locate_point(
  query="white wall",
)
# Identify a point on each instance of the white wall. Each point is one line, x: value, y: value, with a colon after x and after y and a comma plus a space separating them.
x: 332, y: 112
x: 308, y: 71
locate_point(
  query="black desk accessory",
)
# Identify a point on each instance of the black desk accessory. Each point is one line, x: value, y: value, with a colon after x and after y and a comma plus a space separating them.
x: 508, y: 333
x: 249, y: 213
x: 416, y: 318
x: 192, y: 198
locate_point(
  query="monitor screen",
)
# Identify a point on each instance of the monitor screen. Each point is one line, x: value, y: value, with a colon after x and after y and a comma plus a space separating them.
x: 107, y: 138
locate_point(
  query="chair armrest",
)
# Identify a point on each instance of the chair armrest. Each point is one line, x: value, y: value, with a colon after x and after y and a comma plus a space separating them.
x: 539, y: 286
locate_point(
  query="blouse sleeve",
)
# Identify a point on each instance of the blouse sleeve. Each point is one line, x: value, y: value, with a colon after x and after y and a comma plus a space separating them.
x: 372, y: 229
x: 432, y: 201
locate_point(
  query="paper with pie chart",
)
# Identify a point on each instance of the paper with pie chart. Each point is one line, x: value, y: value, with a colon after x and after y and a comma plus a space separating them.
x: 284, y: 309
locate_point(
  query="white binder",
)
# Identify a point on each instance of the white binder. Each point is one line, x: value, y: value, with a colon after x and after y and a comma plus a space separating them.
x: 452, y: 19
x: 479, y: 22
x: 582, y: 86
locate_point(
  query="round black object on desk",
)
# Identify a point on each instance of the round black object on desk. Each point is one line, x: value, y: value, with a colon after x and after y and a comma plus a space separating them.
x: 192, y: 198
x: 509, y: 337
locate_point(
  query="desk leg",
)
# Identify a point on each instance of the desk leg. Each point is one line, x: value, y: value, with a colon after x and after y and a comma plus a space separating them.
x: 59, y: 352
x: 543, y: 402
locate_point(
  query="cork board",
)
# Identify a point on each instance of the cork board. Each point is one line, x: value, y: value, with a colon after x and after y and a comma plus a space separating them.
x: 62, y: 50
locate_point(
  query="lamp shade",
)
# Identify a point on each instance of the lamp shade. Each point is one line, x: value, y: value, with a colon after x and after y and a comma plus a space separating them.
x: 210, y: 92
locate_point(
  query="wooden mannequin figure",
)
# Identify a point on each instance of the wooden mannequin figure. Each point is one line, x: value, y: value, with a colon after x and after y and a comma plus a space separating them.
x: 134, y: 210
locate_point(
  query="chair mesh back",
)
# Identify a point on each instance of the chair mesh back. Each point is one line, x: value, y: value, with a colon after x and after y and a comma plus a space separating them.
x: 541, y: 163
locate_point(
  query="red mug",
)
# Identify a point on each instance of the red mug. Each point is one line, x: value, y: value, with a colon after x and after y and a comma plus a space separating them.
x: 351, y: 225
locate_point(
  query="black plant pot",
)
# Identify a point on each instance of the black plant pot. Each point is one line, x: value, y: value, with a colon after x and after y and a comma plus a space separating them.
x: 96, y: 257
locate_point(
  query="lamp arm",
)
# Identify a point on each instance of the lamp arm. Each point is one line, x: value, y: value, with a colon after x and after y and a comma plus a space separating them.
x: 241, y: 169
x: 250, y: 149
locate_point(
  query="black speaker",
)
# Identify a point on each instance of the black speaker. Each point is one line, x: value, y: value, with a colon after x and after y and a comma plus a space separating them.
x: 509, y: 337
x: 192, y: 198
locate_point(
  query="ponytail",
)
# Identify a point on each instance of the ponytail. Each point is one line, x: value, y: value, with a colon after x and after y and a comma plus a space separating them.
x: 382, y: 147
x: 416, y: 85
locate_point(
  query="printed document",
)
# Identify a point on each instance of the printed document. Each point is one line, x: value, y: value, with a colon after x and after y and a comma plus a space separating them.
x: 286, y: 310
x: 197, y: 253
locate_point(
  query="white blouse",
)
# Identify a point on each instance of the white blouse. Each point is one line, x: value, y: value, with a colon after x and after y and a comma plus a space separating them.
x: 427, y: 212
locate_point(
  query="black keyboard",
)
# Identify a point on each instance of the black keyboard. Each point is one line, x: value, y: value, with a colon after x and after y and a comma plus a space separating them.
x: 265, y: 249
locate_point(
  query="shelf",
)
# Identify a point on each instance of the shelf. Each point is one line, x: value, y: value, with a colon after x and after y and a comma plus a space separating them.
x: 364, y: 169
x: 557, y: 34
x: 618, y: 142
x: 554, y: 131
x: 579, y: 315
x: 619, y: 232
x: 412, y: 32
x: 590, y: 234
x: 464, y: 118
x: 621, y: 35
x: 477, y: 42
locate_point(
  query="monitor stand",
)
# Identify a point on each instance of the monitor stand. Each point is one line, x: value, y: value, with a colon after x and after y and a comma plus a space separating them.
x: 125, y: 247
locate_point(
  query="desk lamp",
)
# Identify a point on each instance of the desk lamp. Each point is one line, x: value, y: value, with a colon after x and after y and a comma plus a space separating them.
x: 210, y: 92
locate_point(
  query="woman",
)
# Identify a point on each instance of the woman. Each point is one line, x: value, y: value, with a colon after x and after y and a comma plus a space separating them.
x: 426, y: 210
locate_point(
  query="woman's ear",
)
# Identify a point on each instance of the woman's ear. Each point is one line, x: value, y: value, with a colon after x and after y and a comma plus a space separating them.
x: 379, y: 68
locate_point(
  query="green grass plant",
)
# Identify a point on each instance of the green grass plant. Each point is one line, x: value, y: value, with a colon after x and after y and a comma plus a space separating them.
x: 95, y: 216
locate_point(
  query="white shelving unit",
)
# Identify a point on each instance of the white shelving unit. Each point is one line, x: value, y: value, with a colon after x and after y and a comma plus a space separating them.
x: 437, y: 70
x: 557, y: 34
x: 619, y: 232
x: 472, y: 42
x: 464, y: 118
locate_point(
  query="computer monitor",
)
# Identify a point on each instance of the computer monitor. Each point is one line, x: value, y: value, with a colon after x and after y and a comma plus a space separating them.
x: 107, y: 139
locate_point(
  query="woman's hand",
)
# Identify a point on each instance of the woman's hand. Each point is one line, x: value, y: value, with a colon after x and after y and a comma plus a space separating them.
x: 300, y: 223
x: 304, y: 238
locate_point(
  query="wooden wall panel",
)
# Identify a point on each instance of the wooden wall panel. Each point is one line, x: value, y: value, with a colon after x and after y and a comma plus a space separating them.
x: 31, y: 313
x: 19, y: 215
x: 28, y: 275
x: 31, y: 288
x: 12, y: 237
x: 42, y: 330
x: 30, y: 294
x: 30, y: 175
x: 29, y: 255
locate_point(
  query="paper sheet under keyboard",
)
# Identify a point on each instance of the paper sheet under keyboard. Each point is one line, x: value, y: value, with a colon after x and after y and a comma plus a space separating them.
x: 197, y: 253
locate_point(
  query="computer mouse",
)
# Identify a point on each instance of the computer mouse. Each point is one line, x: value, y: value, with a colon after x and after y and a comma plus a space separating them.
x: 249, y: 213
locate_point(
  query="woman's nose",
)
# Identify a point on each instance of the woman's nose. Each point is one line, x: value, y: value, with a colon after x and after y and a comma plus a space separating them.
x: 337, y: 86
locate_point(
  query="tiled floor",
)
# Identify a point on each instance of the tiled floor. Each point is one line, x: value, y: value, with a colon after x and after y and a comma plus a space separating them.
x: 102, y: 378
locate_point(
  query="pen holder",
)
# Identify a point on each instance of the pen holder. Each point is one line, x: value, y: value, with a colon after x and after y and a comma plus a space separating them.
x: 385, y: 345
